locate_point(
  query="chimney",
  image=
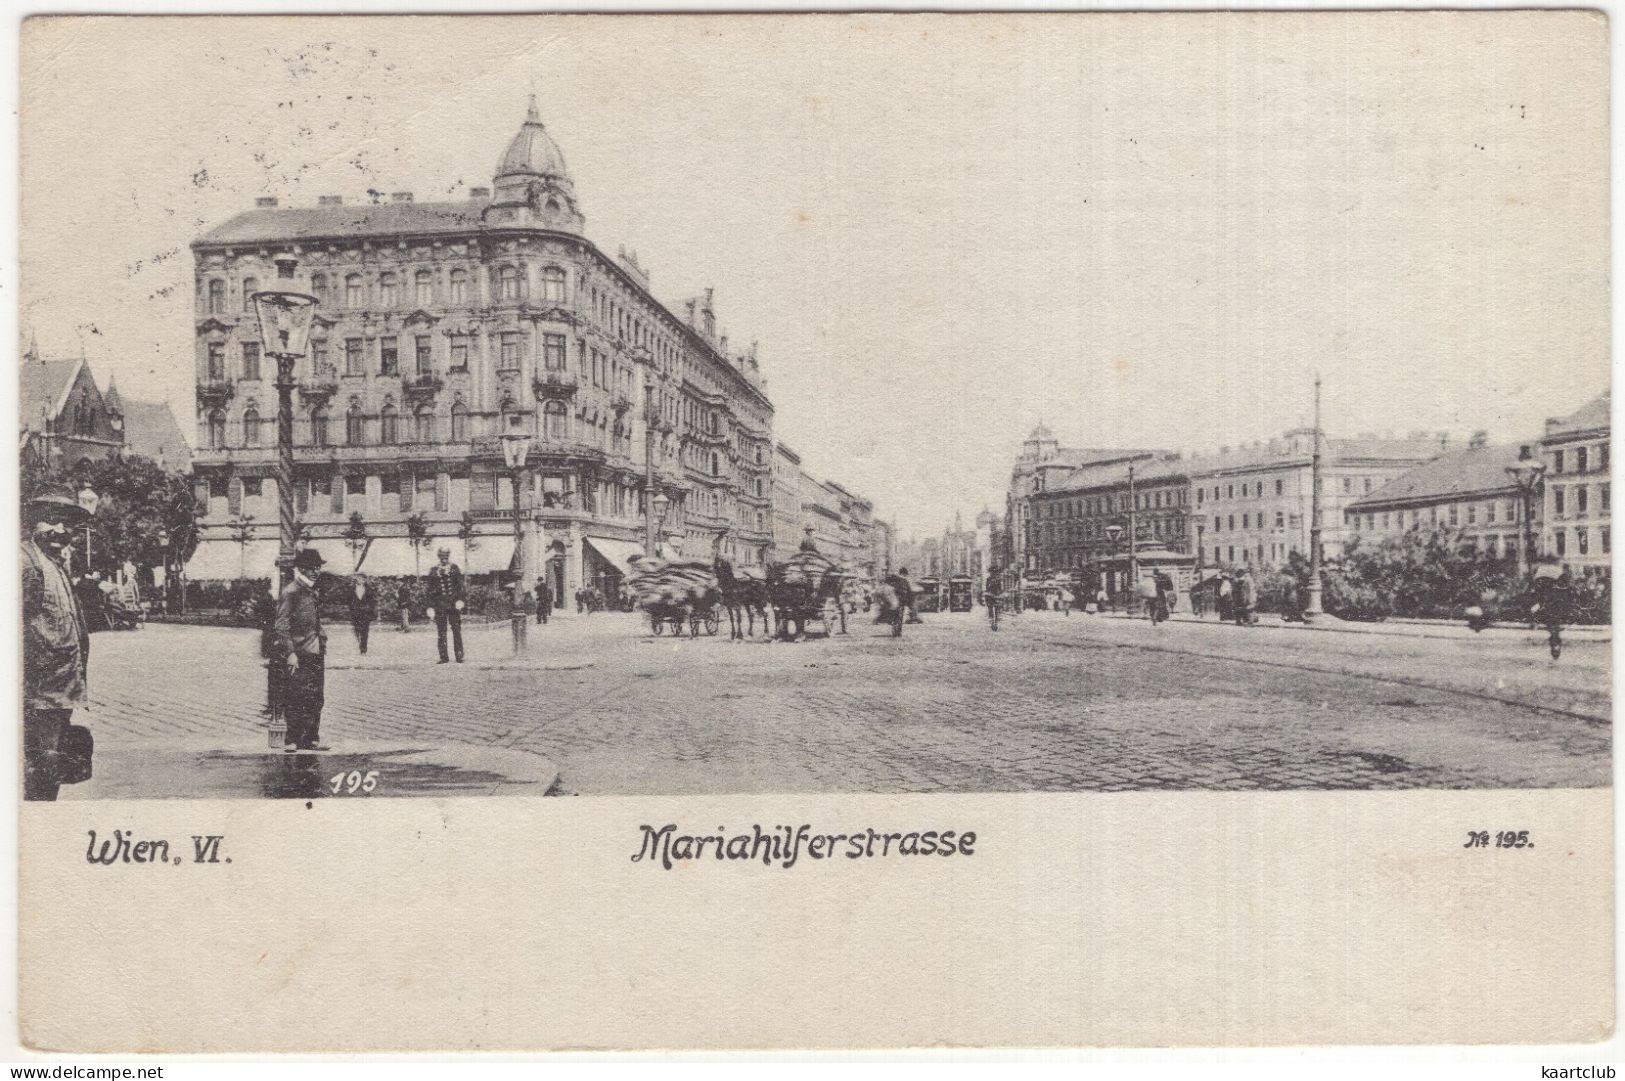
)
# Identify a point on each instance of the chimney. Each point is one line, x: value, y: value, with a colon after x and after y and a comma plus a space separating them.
x: 265, y: 200
x: 479, y: 193
x: 330, y: 200
x: 1479, y: 440
x: 400, y: 196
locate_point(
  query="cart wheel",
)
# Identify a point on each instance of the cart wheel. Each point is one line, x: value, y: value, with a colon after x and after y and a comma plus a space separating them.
x: 711, y: 622
x: 657, y: 624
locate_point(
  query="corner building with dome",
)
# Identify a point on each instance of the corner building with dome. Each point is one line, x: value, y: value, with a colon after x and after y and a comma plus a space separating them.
x: 438, y: 325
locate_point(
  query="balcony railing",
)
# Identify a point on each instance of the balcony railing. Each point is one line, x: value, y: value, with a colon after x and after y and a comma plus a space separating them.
x: 555, y: 384
x: 216, y: 391
x: 422, y: 385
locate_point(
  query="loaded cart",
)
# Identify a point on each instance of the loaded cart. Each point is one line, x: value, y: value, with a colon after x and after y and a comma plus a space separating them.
x: 676, y: 594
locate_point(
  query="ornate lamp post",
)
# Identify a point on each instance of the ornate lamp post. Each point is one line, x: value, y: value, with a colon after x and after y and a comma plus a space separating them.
x: 1313, y: 608
x: 1526, y: 473
x: 89, y: 500
x: 284, y: 318
x: 1114, y: 533
x: 515, y: 450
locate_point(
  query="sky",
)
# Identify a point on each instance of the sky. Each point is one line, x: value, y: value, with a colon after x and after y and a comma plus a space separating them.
x: 1143, y: 230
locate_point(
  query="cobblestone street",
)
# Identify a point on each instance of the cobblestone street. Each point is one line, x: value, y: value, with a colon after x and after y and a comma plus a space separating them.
x: 1048, y: 703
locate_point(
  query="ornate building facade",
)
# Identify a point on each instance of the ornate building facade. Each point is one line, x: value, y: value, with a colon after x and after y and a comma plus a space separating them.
x: 438, y: 327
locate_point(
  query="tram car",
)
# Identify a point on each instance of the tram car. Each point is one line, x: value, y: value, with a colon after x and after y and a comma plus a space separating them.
x: 928, y: 595
x: 961, y: 593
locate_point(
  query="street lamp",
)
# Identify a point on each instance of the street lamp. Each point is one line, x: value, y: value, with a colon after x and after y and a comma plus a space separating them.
x: 515, y: 449
x: 89, y: 500
x: 1526, y: 473
x: 1114, y: 533
x: 658, y: 507
x: 284, y: 318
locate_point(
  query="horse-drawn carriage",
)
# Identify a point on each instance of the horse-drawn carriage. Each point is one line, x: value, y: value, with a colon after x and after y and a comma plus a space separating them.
x: 676, y: 594
x: 807, y: 588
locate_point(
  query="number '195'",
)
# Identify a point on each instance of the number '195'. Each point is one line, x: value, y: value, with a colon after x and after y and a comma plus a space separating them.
x: 1503, y: 839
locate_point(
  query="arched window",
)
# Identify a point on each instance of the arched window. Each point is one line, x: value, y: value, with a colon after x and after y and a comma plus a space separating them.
x: 318, y: 426
x: 459, y: 422
x: 251, y: 426
x: 250, y: 287
x: 553, y: 421
x: 553, y: 283
x: 318, y: 288
x: 355, y: 425
x: 217, y: 297
x: 388, y: 424
x: 217, y: 428
x: 459, y: 286
x: 425, y: 424
x: 508, y: 283
x: 423, y: 288
x: 389, y: 290
x: 716, y: 464
x: 353, y: 297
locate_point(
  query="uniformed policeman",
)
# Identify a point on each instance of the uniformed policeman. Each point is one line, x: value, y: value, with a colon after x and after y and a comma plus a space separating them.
x: 301, y: 644
x: 56, y: 645
x: 445, y: 603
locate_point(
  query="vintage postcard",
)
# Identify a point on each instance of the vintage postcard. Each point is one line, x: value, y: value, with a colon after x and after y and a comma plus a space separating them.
x: 814, y: 531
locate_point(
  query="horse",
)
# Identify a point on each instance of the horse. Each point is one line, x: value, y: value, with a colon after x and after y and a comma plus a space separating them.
x: 745, y: 598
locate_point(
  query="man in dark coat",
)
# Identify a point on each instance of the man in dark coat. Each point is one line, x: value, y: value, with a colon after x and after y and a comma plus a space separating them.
x: 301, y: 644
x: 544, y: 600
x: 446, y: 597
x: 363, y: 603
x: 56, y: 643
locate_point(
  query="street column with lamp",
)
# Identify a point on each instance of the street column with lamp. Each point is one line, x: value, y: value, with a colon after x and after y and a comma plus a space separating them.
x: 1526, y: 473
x: 1114, y: 533
x: 1312, y: 609
x: 658, y: 506
x: 284, y: 317
x: 88, y: 500
x: 1133, y: 606
x: 515, y: 451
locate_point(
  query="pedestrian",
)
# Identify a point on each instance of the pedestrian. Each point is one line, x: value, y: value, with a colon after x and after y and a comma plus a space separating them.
x: 1066, y: 602
x: 903, y: 590
x: 301, y: 644
x: 519, y: 602
x: 363, y: 602
x: 1226, y: 591
x: 56, y: 649
x: 404, y: 603
x: 1162, y: 596
x: 544, y: 600
x: 446, y: 597
x: 1291, y: 602
x: 581, y: 601
x: 1245, y: 598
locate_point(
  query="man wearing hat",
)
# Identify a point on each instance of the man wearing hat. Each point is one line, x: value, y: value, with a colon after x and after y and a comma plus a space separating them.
x: 445, y: 603
x: 56, y: 645
x: 301, y: 644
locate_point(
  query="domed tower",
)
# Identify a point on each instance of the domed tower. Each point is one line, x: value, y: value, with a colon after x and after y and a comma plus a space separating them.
x: 1041, y: 445
x: 532, y: 175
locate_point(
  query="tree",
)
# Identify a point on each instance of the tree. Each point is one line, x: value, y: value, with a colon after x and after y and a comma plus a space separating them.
x: 242, y: 531
x: 140, y: 502
x: 417, y: 533
x: 466, y: 531
x: 355, y: 539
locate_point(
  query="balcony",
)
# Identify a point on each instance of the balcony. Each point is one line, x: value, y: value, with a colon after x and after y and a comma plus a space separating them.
x: 554, y: 385
x: 422, y: 386
x: 620, y: 403
x: 318, y: 388
x: 215, y: 392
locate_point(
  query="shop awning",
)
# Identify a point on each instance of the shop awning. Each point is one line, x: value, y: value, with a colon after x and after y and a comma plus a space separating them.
x: 487, y: 555
x: 392, y: 557
x: 617, y: 553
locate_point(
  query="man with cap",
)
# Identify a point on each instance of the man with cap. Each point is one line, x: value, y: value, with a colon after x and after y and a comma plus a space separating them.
x: 299, y: 642
x: 56, y: 643
x: 445, y: 603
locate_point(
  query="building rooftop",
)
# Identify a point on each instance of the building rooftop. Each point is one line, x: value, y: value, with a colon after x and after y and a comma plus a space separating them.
x: 1147, y: 470
x: 1298, y: 447
x: 1457, y: 474
x: 44, y: 382
x: 1597, y: 413
x: 268, y: 224
x: 151, y: 431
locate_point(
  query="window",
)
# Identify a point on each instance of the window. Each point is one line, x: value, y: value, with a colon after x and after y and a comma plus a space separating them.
x: 389, y: 430
x: 716, y: 464
x: 509, y: 356
x: 389, y: 484
x: 1602, y: 465
x: 425, y: 362
x: 253, y: 487
x: 1557, y: 461
x: 217, y: 428
x: 1582, y: 540
x: 1580, y: 466
x: 425, y: 424
x: 423, y: 288
x: 318, y: 426
x: 355, y: 426
x: 459, y: 422
x: 1489, y: 513
x: 459, y: 353
x: 353, y: 362
x: 459, y: 286
x: 318, y: 288
x: 1560, y: 541
x: 389, y: 290
x: 1559, y: 498
x: 251, y: 426
x: 1607, y: 545
x: 553, y: 352
x: 1199, y: 492
x: 1581, y: 498
x: 1218, y: 523
x: 1348, y: 485
x: 508, y: 283
x: 217, y: 297
x: 552, y: 283
x: 1472, y: 514
x: 1606, y: 500
x: 428, y: 490
x: 553, y: 420
x: 1371, y: 523
x: 318, y: 356
x: 217, y: 362
x: 353, y: 297
x: 1365, y: 486
x: 1232, y: 523
x: 1280, y: 520
x: 389, y: 357
x: 1230, y: 491
x: 251, y: 360
x: 250, y: 287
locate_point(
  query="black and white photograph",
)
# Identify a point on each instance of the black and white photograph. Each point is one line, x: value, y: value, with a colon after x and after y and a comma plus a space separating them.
x: 563, y: 409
